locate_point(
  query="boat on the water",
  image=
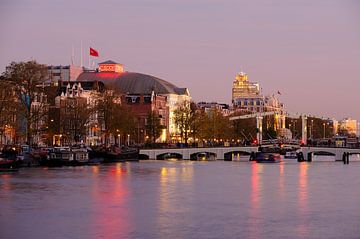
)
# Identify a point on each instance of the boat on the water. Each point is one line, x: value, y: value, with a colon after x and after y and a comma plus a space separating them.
x: 8, y: 170
x: 66, y: 156
x: 58, y: 156
x: 114, y: 154
x: 262, y: 157
x: 7, y: 165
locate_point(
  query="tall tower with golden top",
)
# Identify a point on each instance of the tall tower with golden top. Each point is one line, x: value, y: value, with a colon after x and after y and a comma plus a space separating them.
x: 243, y: 88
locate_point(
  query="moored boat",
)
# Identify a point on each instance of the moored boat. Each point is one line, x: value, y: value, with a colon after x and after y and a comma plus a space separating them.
x: 267, y: 157
x: 66, y: 156
x: 58, y: 156
x: 114, y: 154
x: 8, y: 164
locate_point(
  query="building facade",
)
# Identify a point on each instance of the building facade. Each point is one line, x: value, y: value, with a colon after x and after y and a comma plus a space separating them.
x: 141, y: 93
x: 64, y: 73
x: 72, y: 118
x: 208, y: 106
x: 247, y: 96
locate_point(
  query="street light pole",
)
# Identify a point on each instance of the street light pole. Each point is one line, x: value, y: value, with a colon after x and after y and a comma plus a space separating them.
x: 119, y: 140
x: 128, y: 139
x: 324, y: 129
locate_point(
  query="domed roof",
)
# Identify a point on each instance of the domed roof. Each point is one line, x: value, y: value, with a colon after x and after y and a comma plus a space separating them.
x: 133, y: 83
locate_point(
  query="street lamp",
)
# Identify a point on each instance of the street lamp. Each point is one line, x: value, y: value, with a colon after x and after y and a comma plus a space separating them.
x: 324, y: 129
x: 119, y: 140
x: 311, y: 130
x: 128, y: 139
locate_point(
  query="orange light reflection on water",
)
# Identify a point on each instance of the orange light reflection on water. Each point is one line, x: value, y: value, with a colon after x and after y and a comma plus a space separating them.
x: 281, y: 180
x: 255, y: 200
x: 5, y: 183
x: 303, y: 199
x: 110, y: 207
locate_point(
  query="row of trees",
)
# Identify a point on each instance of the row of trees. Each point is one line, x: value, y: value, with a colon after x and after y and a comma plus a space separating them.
x: 211, y: 125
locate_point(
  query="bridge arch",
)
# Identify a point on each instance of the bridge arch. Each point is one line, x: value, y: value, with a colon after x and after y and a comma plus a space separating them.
x: 169, y: 155
x: 203, y: 155
x: 352, y: 153
x: 320, y: 152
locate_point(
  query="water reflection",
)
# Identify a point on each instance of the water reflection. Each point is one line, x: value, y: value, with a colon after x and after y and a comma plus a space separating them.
x: 255, y: 219
x: 110, y: 200
x: 5, y: 185
x: 173, y: 179
x: 182, y: 200
x: 281, y: 180
x: 303, y: 209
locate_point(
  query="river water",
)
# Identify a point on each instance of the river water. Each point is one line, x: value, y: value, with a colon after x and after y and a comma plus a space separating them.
x: 183, y: 200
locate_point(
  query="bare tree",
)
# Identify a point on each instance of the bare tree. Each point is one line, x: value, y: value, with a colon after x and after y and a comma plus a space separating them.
x: 26, y: 77
x: 7, y: 106
x: 75, y: 116
x: 187, y: 120
x: 153, y: 126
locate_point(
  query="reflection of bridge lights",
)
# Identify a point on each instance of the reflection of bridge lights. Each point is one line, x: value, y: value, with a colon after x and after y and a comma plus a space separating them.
x: 163, y: 171
x: 95, y: 169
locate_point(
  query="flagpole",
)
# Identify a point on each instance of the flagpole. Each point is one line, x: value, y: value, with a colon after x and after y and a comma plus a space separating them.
x: 81, y: 54
x: 72, y: 54
x: 89, y: 60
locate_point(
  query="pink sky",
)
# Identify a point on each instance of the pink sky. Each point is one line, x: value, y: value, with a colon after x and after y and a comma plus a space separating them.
x: 309, y: 50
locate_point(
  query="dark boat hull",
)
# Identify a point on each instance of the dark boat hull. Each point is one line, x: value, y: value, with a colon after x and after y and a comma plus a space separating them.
x: 52, y: 163
x: 267, y: 161
x: 113, y: 157
x: 9, y: 164
x: 8, y: 170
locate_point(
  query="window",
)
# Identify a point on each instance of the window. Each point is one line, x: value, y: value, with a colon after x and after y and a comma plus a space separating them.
x: 133, y: 99
x: 147, y: 99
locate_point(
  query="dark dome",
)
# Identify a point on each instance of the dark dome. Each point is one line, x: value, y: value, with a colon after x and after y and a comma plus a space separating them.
x: 133, y: 83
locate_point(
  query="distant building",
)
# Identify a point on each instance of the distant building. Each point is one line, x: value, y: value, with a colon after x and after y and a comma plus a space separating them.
x: 246, y: 96
x: 64, y: 73
x: 141, y: 92
x: 349, y: 125
x: 208, y: 106
x: 69, y: 118
x: 247, y: 99
x: 243, y: 88
x: 141, y: 105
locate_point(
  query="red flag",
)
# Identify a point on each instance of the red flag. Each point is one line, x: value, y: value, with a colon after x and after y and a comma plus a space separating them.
x: 94, y: 52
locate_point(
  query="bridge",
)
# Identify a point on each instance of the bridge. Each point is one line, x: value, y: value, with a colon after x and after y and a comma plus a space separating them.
x: 219, y: 153
x: 225, y: 153
x: 338, y: 153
